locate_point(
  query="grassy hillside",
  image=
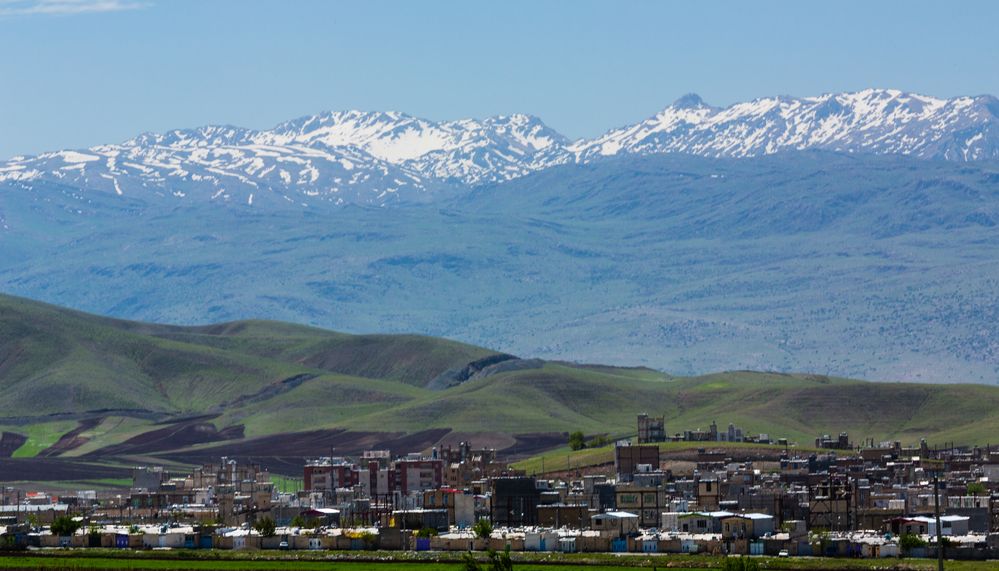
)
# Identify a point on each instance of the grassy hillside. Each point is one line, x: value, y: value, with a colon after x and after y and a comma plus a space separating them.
x: 80, y: 386
x: 799, y: 407
x: 59, y: 361
x: 411, y: 359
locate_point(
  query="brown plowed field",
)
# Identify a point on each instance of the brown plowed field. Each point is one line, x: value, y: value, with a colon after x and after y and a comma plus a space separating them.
x: 56, y: 469
x: 9, y: 442
x: 282, y: 453
x: 170, y: 437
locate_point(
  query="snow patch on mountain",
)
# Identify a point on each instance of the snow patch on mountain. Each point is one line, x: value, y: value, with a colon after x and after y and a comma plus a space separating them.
x: 360, y: 157
x: 876, y: 121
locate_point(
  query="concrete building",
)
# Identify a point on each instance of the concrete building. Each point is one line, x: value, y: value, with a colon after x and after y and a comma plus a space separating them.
x: 459, y: 506
x: 747, y: 526
x: 615, y: 524
x: 646, y: 502
x: 421, y: 518
x: 651, y: 429
x: 514, y: 501
x: 628, y: 458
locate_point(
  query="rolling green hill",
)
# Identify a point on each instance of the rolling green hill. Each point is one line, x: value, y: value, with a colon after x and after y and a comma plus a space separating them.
x: 86, y: 388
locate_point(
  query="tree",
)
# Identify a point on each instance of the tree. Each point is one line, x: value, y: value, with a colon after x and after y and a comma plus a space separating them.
x: 483, y: 529
x: 298, y: 521
x: 265, y: 526
x: 426, y: 532
x: 577, y: 441
x: 822, y: 538
x: 910, y: 541
x: 64, y: 525
x: 977, y: 489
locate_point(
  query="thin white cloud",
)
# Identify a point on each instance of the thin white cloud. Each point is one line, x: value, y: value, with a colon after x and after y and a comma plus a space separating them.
x: 10, y: 8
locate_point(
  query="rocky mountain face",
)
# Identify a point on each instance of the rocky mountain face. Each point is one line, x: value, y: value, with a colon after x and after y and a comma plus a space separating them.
x: 381, y: 158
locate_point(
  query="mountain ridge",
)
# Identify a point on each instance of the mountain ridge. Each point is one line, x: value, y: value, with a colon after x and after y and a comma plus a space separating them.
x: 387, y: 157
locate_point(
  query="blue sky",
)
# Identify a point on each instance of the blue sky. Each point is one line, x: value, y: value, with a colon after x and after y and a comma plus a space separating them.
x: 75, y: 73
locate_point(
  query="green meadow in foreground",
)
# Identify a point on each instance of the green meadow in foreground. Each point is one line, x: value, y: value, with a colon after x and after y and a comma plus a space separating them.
x: 409, y: 561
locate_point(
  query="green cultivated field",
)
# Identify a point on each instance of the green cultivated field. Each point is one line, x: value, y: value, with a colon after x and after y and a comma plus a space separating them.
x: 142, y: 565
x: 409, y: 561
x: 164, y: 390
x: 40, y: 436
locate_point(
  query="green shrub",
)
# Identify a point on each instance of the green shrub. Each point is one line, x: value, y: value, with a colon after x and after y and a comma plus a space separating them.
x: 64, y: 525
x: 740, y: 564
x: 977, y: 489
x: 495, y: 561
x: 598, y: 441
x: 426, y: 532
x: 265, y: 526
x: 483, y: 528
x: 910, y: 541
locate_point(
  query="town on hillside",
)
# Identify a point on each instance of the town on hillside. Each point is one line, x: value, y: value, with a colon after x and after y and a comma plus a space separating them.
x: 836, y: 498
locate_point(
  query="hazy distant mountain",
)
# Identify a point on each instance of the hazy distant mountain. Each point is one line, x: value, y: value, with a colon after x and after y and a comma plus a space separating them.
x: 356, y: 157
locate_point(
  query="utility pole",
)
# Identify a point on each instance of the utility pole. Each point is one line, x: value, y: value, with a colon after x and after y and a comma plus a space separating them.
x: 936, y: 511
x: 854, y: 491
x: 848, y: 497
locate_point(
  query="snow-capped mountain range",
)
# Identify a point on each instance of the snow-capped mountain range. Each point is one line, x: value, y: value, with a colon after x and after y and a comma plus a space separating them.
x: 355, y: 157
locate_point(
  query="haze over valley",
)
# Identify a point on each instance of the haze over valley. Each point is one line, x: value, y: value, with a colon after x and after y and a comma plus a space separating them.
x: 845, y: 234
